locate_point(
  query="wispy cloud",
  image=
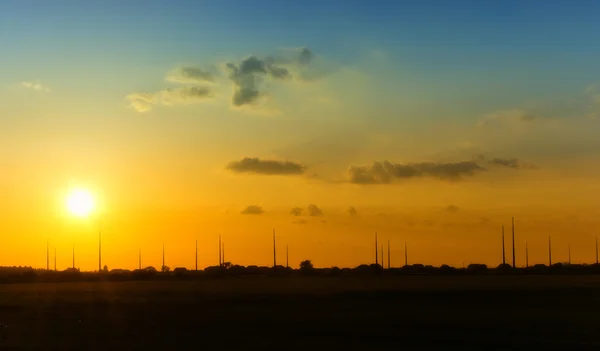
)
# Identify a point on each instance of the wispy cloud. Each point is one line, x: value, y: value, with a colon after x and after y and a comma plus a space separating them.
x: 314, y: 211
x: 506, y: 116
x: 190, y: 75
x: 253, y: 210
x: 266, y: 167
x: 297, y: 211
x: 386, y: 172
x: 352, y: 211
x: 35, y: 86
x: 143, y: 102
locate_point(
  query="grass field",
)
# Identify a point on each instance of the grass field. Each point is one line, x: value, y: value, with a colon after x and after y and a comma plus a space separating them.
x: 362, y: 313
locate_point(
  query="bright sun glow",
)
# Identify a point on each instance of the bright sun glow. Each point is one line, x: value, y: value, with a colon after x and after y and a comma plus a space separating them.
x: 80, y: 202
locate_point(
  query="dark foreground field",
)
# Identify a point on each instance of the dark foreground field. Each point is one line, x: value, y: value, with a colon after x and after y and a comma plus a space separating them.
x: 403, y: 313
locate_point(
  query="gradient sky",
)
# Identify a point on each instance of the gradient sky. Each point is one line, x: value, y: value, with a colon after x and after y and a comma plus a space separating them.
x: 435, y: 121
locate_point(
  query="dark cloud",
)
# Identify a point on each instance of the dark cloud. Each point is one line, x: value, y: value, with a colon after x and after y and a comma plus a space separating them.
x: 246, y: 78
x: 386, y: 172
x: 452, y: 208
x: 253, y: 210
x: 302, y: 221
x: 305, y: 56
x: 189, y: 74
x: 510, y: 163
x: 297, y: 211
x: 268, y: 167
x: 352, y: 211
x: 314, y: 211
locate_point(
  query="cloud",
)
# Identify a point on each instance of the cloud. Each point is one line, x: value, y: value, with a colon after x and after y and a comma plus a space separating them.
x: 190, y: 75
x: 253, y: 210
x: 509, y: 116
x: 302, y: 221
x: 296, y: 211
x: 385, y: 172
x: 452, y: 208
x: 267, y: 167
x: 246, y: 78
x: 143, y: 102
x: 352, y: 211
x: 35, y: 86
x: 314, y: 211
x: 510, y: 163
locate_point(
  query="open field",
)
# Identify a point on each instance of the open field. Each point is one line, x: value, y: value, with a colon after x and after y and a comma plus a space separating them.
x: 363, y: 313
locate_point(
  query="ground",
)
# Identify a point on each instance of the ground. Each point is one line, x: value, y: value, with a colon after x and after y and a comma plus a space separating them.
x: 320, y: 313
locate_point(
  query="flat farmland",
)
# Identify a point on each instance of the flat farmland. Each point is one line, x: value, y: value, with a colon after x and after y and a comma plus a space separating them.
x: 306, y: 313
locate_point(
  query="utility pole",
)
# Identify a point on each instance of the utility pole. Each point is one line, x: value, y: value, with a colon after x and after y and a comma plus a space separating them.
x: 549, y: 251
x: 376, y: 254
x: 389, y: 265
x: 274, y: 250
x: 503, y: 252
x: 513, y: 243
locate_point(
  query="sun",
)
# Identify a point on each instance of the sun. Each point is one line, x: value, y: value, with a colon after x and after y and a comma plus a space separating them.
x: 80, y: 202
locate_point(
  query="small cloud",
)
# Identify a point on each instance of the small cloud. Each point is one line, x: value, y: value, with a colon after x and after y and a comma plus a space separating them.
x: 314, y: 211
x: 385, y: 172
x: 35, y: 86
x: 190, y: 75
x: 302, y: 221
x: 510, y: 163
x: 510, y: 116
x: 296, y: 211
x: 143, y: 102
x: 267, y: 167
x: 451, y: 209
x: 352, y: 211
x: 253, y: 210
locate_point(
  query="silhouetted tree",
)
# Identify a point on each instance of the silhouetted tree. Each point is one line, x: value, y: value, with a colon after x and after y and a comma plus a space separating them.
x: 166, y: 269
x: 306, y: 267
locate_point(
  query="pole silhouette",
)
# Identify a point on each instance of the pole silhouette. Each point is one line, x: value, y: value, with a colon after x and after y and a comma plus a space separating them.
x: 513, y: 243
x: 549, y: 251
x: 503, y: 251
x: 405, y: 254
x: 196, y: 254
x: 389, y: 261
x: 274, y: 250
x: 376, y: 254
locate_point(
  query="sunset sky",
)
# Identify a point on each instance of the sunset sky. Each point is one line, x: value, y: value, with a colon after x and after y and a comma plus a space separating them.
x: 430, y: 122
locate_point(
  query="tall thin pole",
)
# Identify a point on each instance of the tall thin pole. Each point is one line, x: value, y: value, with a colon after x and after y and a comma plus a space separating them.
x: 405, y: 254
x: 513, y: 243
x: 376, y: 254
x: 274, y: 250
x: 47, y: 256
x: 196, y: 254
x: 389, y: 255
x: 526, y: 256
x: 503, y: 252
x: 549, y: 251
x: 287, y: 257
